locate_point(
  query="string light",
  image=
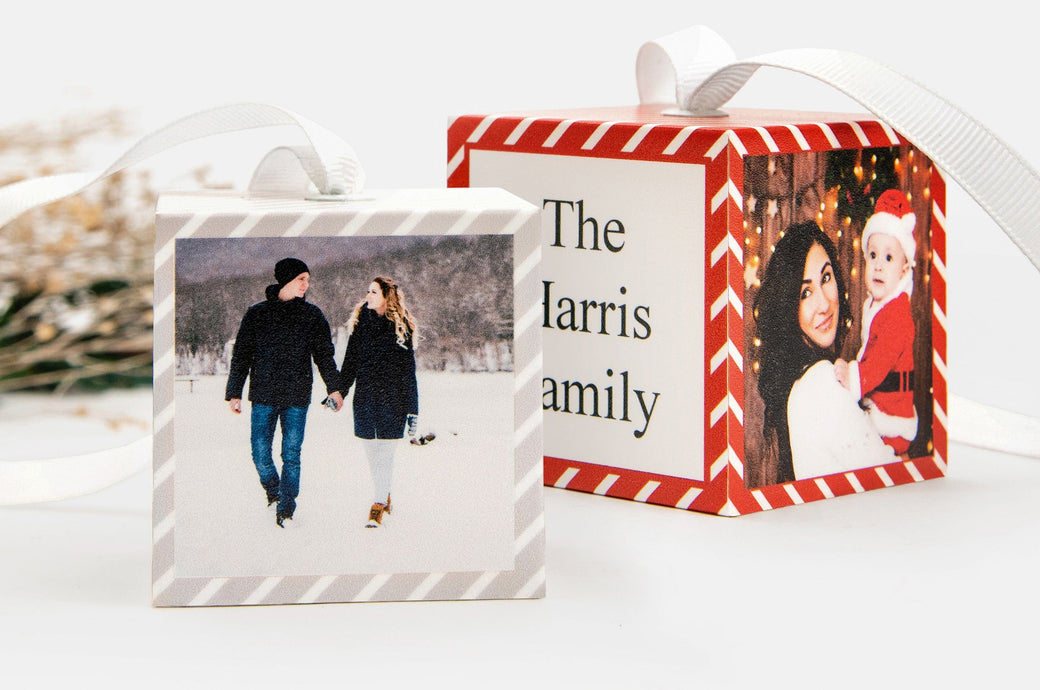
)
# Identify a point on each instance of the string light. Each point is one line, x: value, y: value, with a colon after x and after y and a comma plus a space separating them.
x: 873, y: 159
x: 757, y: 367
x: 854, y: 272
x: 758, y: 342
x: 758, y: 230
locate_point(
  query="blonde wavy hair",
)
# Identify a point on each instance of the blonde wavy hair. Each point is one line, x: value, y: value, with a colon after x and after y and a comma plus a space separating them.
x: 396, y: 311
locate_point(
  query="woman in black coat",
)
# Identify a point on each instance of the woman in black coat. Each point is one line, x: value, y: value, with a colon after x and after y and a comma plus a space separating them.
x: 380, y: 364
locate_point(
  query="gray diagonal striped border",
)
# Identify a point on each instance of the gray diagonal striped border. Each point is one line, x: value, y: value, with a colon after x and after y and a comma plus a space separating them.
x: 527, y: 579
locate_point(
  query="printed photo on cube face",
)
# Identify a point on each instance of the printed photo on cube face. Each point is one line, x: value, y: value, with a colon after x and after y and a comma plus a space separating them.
x: 837, y: 263
x: 344, y: 405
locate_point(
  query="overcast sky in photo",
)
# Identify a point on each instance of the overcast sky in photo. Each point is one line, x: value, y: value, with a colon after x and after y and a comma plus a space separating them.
x: 200, y: 259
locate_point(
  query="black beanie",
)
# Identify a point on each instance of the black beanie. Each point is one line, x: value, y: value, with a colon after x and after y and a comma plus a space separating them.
x: 287, y: 269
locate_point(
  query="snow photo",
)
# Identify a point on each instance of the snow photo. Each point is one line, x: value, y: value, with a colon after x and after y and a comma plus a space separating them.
x: 407, y: 467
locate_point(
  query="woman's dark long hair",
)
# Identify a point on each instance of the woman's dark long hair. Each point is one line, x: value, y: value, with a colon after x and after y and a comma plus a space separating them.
x: 784, y: 351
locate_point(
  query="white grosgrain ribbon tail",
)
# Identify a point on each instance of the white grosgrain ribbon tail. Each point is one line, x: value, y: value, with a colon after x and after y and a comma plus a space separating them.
x: 697, y: 66
x: 54, y: 479
x: 985, y: 426
x: 324, y: 160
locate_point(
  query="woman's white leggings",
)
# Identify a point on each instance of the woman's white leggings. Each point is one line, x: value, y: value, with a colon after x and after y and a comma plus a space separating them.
x: 380, y: 454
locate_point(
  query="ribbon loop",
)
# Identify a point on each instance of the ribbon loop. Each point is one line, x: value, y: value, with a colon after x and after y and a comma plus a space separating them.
x: 281, y: 174
x: 671, y: 68
x: 330, y: 163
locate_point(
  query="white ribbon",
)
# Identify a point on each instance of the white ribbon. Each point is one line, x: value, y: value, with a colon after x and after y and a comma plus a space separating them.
x: 697, y: 69
x: 54, y: 479
x: 674, y: 66
x: 985, y: 426
x: 329, y: 162
x: 279, y: 175
x: 324, y: 160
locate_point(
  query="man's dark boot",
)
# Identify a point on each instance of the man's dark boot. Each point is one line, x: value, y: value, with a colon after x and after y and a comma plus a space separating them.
x: 280, y: 517
x: 272, y: 493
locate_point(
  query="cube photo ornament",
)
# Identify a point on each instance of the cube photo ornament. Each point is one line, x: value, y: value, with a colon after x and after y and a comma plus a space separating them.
x: 405, y: 314
x: 715, y: 335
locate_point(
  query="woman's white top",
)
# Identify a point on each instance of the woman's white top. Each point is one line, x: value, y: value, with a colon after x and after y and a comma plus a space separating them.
x: 829, y: 431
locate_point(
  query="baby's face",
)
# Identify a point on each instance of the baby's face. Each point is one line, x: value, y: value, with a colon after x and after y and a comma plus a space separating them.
x: 886, y: 265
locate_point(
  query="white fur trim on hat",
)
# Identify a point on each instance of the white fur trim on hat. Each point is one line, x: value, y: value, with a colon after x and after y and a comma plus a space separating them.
x: 892, y: 216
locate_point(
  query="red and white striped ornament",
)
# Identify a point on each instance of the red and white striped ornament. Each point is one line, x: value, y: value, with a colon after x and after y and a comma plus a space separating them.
x: 645, y: 133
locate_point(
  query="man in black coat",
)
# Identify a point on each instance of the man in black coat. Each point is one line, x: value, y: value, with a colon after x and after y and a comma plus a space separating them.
x: 274, y: 347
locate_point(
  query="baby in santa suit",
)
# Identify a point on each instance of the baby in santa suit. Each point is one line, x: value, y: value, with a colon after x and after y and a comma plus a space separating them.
x: 882, y: 377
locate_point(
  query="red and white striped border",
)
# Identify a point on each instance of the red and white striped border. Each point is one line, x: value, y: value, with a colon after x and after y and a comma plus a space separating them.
x: 721, y: 151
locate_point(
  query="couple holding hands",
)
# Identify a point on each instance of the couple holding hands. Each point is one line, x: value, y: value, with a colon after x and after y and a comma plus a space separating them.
x: 276, y: 342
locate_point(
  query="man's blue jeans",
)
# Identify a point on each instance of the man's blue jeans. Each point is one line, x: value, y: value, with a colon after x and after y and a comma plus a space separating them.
x: 294, y: 420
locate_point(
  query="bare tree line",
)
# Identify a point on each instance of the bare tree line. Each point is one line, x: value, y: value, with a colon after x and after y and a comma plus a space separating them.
x: 459, y: 289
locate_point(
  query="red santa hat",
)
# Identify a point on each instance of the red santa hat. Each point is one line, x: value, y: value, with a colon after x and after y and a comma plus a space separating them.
x: 892, y: 216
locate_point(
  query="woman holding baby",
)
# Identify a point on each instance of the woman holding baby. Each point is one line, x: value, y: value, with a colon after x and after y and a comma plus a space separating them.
x: 824, y: 415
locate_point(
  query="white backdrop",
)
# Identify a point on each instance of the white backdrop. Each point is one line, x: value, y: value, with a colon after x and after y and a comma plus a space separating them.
x: 388, y: 79
x: 924, y: 583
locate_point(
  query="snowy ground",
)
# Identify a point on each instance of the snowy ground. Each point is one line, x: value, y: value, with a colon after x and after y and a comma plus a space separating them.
x: 452, y: 499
